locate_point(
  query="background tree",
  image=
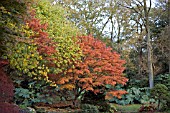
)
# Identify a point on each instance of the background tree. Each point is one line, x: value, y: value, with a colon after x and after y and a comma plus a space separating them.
x: 142, y: 10
x: 160, y: 33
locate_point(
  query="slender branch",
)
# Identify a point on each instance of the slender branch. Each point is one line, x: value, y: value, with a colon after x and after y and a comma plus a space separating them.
x: 112, y: 30
x: 129, y: 7
x: 98, y: 13
x: 139, y: 2
x: 149, y: 6
x: 106, y: 23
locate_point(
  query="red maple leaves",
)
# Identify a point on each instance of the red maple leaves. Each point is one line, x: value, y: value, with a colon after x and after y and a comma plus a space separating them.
x: 45, y: 44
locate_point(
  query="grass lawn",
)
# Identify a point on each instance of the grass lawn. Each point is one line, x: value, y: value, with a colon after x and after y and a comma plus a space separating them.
x: 133, y: 108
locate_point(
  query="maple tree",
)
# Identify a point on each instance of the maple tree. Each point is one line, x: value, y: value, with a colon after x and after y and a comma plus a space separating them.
x: 99, y: 67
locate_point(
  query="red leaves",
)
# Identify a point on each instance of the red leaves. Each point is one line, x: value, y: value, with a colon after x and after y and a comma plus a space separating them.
x: 45, y: 44
x: 3, y: 63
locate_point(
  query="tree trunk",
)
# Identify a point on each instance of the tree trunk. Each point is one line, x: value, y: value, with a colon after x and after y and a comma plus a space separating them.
x: 169, y: 66
x: 168, y: 32
x: 140, y: 50
x: 149, y: 47
x: 150, y: 68
x: 140, y: 62
x: 112, y: 30
x: 169, y: 12
x: 118, y: 38
x: 159, y: 104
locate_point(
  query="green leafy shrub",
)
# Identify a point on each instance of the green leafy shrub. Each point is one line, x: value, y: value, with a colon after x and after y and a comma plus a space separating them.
x: 88, y: 108
x: 30, y: 92
x: 145, y: 99
x: 163, y: 79
x: 138, y: 83
x: 161, y: 94
x: 134, y: 96
x: 97, y: 100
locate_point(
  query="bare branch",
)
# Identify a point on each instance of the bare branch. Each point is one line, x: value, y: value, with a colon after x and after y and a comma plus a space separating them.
x: 139, y: 2
x: 106, y: 23
x: 129, y: 7
x: 149, y: 6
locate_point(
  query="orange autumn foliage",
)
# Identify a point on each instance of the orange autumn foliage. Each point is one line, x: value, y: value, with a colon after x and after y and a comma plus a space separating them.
x: 117, y: 94
x: 100, y: 66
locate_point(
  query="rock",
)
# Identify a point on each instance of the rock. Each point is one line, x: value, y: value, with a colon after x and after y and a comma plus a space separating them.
x: 31, y: 110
